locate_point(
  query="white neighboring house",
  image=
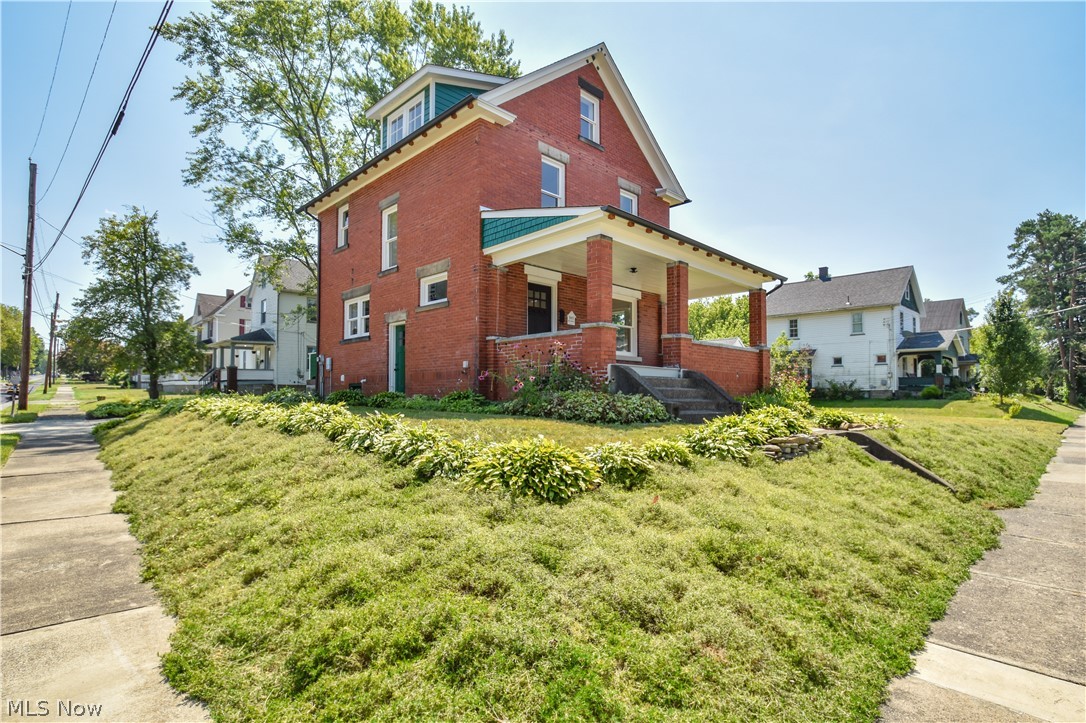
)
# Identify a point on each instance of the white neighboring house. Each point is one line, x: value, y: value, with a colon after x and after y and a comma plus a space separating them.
x: 273, y: 350
x: 851, y: 326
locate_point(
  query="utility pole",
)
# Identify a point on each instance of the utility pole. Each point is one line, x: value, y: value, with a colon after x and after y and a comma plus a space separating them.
x: 52, y: 336
x: 28, y: 278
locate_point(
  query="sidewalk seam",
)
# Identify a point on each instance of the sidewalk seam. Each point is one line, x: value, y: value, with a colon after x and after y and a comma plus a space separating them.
x: 73, y: 620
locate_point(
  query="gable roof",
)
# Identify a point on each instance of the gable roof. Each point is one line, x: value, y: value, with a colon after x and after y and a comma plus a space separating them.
x: 431, y: 74
x: 944, y: 314
x: 293, y: 276
x: 852, y: 291
x: 931, y: 341
x: 206, y: 304
x: 671, y: 190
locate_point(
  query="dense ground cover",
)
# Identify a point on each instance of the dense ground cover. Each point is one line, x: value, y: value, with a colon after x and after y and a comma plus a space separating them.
x: 311, y: 583
x: 7, y: 446
x: 91, y: 394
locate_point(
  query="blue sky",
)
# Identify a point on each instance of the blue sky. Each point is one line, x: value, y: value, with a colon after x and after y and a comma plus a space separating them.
x: 857, y: 136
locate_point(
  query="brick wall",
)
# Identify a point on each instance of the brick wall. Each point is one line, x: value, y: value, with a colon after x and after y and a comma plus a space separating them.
x: 738, y: 371
x: 513, y: 356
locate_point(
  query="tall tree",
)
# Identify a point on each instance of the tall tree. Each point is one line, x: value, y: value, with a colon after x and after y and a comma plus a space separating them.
x: 134, y: 303
x: 1008, y: 349
x: 280, y: 90
x: 1048, y: 264
x: 11, y: 339
x: 721, y: 317
x: 84, y: 352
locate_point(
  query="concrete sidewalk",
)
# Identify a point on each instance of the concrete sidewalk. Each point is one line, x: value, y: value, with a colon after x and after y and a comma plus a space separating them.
x: 77, y: 627
x: 1012, y: 646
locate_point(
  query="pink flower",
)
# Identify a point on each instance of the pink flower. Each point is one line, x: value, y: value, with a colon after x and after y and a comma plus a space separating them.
x: 531, y: 379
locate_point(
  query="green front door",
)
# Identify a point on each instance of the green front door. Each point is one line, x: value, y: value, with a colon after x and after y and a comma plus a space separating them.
x: 399, y: 367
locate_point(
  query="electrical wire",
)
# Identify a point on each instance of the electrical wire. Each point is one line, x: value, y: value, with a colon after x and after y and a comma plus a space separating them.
x: 155, y: 32
x: 79, y: 112
x: 56, y: 64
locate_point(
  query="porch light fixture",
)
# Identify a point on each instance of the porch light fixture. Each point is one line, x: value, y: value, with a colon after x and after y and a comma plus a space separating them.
x: 633, y: 269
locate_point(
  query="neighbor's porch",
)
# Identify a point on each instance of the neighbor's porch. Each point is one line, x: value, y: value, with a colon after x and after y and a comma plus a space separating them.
x: 602, y: 287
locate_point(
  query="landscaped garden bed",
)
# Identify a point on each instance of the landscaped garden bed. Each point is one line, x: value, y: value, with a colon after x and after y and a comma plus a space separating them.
x: 311, y: 582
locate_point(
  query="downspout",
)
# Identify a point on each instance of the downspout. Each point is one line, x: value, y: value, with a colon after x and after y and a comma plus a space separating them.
x: 317, y: 341
x: 780, y: 283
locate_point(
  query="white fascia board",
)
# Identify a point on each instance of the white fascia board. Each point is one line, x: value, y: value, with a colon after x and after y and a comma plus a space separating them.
x: 434, y: 135
x: 918, y: 297
x: 425, y: 76
x: 539, y: 212
x: 544, y: 75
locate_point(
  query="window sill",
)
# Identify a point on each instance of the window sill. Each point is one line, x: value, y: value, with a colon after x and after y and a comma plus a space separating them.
x: 434, y: 305
x: 355, y: 339
x: 591, y: 142
x: 857, y: 333
x: 344, y: 247
x: 627, y: 357
x: 389, y: 270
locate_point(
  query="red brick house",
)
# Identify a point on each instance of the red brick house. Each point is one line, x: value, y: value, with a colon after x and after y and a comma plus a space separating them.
x: 503, y: 215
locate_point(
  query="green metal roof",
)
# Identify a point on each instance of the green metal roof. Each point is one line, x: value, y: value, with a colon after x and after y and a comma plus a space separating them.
x: 500, y: 230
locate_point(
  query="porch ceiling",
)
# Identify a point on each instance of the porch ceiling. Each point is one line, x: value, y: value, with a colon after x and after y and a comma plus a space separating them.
x: 638, y: 244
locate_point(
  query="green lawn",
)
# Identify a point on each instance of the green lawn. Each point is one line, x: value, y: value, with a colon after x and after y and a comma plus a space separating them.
x: 19, y: 418
x: 7, y: 446
x: 311, y: 584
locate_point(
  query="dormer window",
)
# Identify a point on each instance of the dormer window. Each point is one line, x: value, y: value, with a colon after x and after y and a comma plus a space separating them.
x: 405, y: 121
x: 590, y: 118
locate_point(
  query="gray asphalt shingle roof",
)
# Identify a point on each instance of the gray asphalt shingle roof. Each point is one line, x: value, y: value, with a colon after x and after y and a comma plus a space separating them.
x: 207, y: 303
x: 944, y: 314
x: 852, y: 291
x: 927, y: 341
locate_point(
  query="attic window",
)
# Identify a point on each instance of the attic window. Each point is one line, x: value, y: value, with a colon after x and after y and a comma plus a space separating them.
x: 405, y: 121
x: 590, y: 118
x: 908, y: 292
x: 553, y: 191
x: 627, y: 202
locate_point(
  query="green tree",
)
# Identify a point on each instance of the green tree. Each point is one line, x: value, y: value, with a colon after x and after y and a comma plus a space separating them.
x: 84, y: 352
x: 1007, y: 345
x: 133, y: 304
x: 280, y: 91
x: 11, y: 340
x: 1048, y: 264
x: 720, y: 317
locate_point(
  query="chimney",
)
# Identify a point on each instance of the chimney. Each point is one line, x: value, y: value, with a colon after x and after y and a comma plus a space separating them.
x: 229, y: 293
x: 823, y: 273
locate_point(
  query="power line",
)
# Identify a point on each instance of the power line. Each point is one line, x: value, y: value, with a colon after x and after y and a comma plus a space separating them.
x: 56, y: 64
x: 78, y: 113
x: 117, y: 118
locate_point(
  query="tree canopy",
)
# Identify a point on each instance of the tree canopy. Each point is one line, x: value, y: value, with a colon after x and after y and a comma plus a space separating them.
x: 11, y: 340
x: 1048, y: 265
x: 1007, y: 346
x: 720, y: 318
x: 280, y: 89
x: 133, y: 304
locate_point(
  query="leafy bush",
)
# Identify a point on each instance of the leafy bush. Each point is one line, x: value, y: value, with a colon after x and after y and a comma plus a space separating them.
x: 445, y: 458
x: 535, y: 467
x: 350, y: 397
x: 1013, y: 409
x: 833, y: 418
x: 124, y: 408
x: 420, y: 401
x: 672, y: 451
x: 386, y: 400
x: 931, y: 392
x: 836, y: 391
x: 779, y: 421
x: 366, y: 433
x: 310, y: 417
x: 591, y: 406
x: 718, y: 442
x: 959, y: 395
x: 287, y: 397
x: 340, y: 425
x: 466, y: 400
x: 403, y: 443
x: 620, y: 463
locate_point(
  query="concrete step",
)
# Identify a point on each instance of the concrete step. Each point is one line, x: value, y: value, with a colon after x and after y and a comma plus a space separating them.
x: 697, y: 416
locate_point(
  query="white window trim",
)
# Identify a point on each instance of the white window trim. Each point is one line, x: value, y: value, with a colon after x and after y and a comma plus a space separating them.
x: 402, y: 112
x: 633, y: 200
x: 852, y: 323
x: 424, y: 287
x: 561, y: 198
x: 632, y: 296
x: 544, y: 277
x: 343, y: 228
x: 363, y: 319
x: 594, y: 123
x: 908, y: 292
x: 790, y: 336
x: 385, y: 240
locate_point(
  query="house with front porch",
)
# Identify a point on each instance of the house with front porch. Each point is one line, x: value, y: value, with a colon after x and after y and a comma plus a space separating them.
x: 274, y: 343
x: 505, y: 216
x: 869, y: 330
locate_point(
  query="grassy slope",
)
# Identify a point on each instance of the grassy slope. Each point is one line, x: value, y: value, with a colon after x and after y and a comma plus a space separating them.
x: 7, y: 446
x: 87, y: 394
x: 313, y: 584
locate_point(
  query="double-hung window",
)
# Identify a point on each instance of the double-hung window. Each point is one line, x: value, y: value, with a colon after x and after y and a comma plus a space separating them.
x: 405, y: 121
x: 793, y: 328
x: 590, y: 118
x: 356, y: 317
x: 627, y: 202
x: 390, y: 234
x: 311, y: 310
x: 263, y: 311
x: 341, y: 237
x: 857, y: 322
x: 553, y: 184
x: 434, y: 289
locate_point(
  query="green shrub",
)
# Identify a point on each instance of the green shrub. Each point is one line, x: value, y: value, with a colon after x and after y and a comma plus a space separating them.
x: 466, y: 400
x: 386, y: 400
x: 779, y: 421
x: 931, y: 392
x: 446, y: 458
x: 340, y: 425
x: 124, y: 408
x: 350, y: 397
x: 366, y: 433
x: 1013, y: 410
x: 834, y: 391
x: 672, y: 451
x: 420, y: 401
x: 601, y: 407
x: 620, y: 463
x: 959, y: 395
x: 535, y: 467
x: 718, y: 442
x: 403, y: 443
x: 833, y: 418
x: 310, y: 417
x: 287, y: 397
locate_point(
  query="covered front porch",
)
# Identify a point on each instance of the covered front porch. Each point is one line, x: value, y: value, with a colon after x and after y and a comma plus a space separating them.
x: 610, y: 287
x: 243, y: 362
x: 931, y: 359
